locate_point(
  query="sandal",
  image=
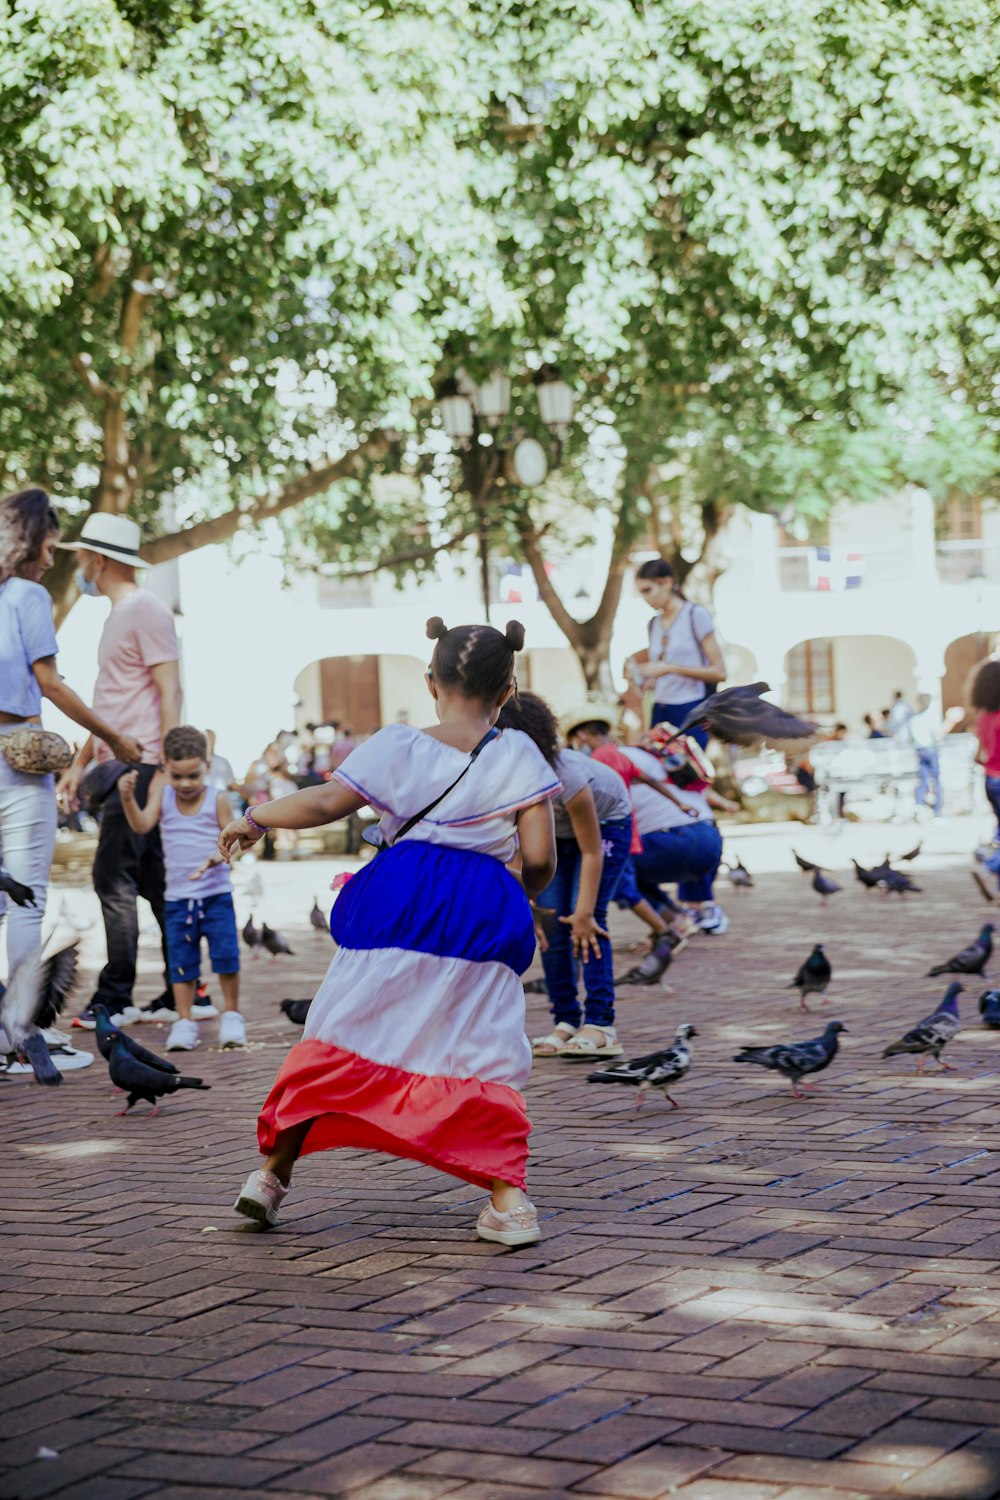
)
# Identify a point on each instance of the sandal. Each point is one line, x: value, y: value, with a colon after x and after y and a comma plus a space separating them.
x: 584, y: 1048
x: 553, y: 1044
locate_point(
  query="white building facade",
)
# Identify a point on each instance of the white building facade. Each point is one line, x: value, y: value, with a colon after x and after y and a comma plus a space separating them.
x: 888, y: 600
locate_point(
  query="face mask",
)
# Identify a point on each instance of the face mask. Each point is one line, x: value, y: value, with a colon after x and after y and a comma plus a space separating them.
x: 87, y: 585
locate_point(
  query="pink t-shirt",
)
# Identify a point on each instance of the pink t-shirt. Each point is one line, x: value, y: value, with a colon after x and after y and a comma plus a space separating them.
x: 138, y: 635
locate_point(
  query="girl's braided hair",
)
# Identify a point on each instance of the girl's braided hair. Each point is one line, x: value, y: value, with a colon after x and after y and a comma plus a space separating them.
x: 475, y: 659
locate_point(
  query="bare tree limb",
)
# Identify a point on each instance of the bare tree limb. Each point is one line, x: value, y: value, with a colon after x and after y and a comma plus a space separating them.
x: 221, y: 528
x: 547, y: 591
x: 411, y: 555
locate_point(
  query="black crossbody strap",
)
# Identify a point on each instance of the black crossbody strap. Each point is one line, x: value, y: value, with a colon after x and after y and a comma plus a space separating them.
x: 491, y: 734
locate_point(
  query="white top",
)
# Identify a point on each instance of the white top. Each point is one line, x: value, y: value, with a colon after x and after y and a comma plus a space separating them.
x: 922, y: 729
x: 400, y: 769
x: 656, y: 814
x: 680, y: 643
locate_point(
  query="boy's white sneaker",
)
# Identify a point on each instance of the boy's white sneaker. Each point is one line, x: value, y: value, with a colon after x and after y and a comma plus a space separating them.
x: 261, y: 1196
x: 183, y: 1037
x: 232, y: 1030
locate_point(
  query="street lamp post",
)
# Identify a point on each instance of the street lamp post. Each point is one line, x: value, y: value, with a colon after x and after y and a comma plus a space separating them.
x: 473, y: 415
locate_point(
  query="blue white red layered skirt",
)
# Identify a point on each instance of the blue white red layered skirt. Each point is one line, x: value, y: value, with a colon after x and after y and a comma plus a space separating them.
x: 415, y: 1044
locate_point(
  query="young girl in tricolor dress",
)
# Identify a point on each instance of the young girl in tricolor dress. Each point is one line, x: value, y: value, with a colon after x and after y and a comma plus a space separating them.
x: 415, y: 1044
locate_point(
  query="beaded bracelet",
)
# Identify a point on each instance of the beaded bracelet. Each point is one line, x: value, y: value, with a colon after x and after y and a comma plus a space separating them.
x: 254, y: 825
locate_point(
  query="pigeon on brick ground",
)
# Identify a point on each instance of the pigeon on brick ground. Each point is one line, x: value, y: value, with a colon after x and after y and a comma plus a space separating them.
x: 251, y: 935
x: 989, y: 1009
x: 317, y: 919
x: 813, y: 977
x: 651, y: 969
x: 274, y: 941
x: 739, y: 875
x: 796, y: 1061
x: 971, y: 960
x: 139, y: 1081
x: 33, y: 1000
x: 108, y: 1034
x: 296, y: 1010
x: 657, y: 1070
x: 932, y: 1034
x: 824, y: 886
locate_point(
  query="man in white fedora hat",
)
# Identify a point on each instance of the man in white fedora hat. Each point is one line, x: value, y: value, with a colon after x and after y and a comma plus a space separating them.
x: 138, y: 687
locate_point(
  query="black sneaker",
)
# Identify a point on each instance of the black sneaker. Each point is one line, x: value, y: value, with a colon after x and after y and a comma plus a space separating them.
x: 159, y: 1010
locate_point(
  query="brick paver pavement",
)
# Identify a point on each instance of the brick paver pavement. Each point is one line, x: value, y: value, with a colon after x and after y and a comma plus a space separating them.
x: 749, y: 1298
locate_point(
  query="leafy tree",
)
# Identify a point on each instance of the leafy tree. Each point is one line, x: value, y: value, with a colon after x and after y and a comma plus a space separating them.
x: 756, y: 239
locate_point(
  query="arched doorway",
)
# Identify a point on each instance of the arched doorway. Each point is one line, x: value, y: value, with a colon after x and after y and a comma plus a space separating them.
x: 844, y: 677
x: 362, y: 692
x: 961, y: 658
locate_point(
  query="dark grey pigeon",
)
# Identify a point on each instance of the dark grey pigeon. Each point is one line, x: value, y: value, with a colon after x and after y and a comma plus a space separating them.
x: 296, y: 1010
x: 824, y: 887
x: 139, y: 1081
x: 739, y: 875
x: 740, y: 716
x: 651, y: 969
x: 813, y: 977
x: 796, y: 1060
x: 251, y: 935
x: 895, y: 882
x: 108, y: 1034
x: 971, y: 960
x: 21, y: 895
x: 317, y: 919
x: 931, y: 1034
x: 275, y: 942
x: 989, y: 1009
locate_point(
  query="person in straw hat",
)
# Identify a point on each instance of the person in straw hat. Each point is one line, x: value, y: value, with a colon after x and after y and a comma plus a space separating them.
x: 138, y: 687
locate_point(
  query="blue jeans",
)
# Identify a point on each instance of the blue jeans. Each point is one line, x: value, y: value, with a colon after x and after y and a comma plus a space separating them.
x: 674, y: 714
x: 929, y: 774
x: 27, y: 839
x: 628, y: 893
x: 690, y: 855
x: 993, y: 797
x: 558, y: 962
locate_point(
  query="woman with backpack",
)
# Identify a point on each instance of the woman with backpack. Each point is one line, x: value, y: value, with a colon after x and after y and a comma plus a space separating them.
x: 685, y: 659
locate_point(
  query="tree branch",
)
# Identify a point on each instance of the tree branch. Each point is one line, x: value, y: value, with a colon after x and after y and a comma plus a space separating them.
x: 221, y: 528
x: 547, y: 591
x: 411, y: 555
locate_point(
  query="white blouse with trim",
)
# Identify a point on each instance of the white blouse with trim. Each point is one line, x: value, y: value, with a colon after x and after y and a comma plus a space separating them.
x: 401, y: 769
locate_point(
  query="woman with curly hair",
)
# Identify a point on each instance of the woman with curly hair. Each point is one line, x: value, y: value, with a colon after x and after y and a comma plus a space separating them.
x: 985, y: 696
x: 29, y: 527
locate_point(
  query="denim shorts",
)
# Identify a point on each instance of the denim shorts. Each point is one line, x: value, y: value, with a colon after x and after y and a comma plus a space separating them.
x: 187, y: 922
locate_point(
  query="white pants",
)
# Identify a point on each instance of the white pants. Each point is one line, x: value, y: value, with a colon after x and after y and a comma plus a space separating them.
x: 27, y: 841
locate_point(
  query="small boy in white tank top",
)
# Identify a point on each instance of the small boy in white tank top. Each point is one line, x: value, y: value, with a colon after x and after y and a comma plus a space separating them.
x: 199, y: 896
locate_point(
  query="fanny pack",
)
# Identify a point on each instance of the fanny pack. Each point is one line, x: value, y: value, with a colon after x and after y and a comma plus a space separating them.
x: 35, y: 750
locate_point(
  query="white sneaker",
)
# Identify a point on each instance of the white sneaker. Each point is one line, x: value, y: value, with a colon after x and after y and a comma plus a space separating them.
x: 183, y: 1037
x: 232, y: 1030
x: 203, y: 1011
x: 129, y: 1016
x: 261, y: 1196
x: 67, y: 1059
x: 713, y: 921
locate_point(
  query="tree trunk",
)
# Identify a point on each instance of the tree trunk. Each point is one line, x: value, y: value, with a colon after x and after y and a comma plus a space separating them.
x: 590, y: 639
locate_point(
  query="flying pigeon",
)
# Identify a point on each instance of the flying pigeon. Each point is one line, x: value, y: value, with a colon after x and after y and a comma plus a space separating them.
x: 813, y: 977
x: 894, y: 881
x: 651, y: 969
x: 932, y: 1033
x: 989, y: 1009
x: 657, y: 1070
x: 804, y: 864
x: 795, y: 1060
x: 34, y: 998
x: 108, y: 1034
x: 252, y: 935
x: 739, y: 875
x: 317, y: 919
x: 296, y: 1010
x: 273, y: 941
x: 824, y: 887
x: 740, y: 716
x: 139, y: 1081
x: 21, y: 895
x: 971, y: 960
